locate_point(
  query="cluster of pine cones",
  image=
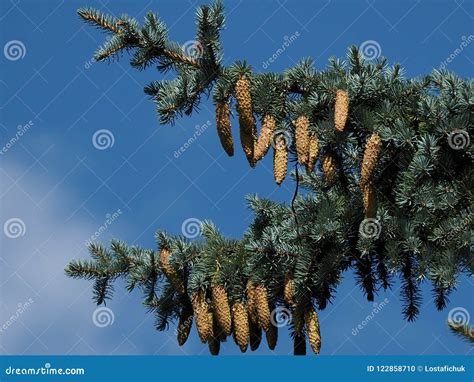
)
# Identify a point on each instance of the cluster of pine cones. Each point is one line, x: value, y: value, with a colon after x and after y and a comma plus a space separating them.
x: 256, y: 147
x: 306, y: 142
x: 246, y: 320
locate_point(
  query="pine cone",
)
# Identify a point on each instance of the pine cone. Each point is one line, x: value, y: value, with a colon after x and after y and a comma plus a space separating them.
x: 255, y: 335
x: 313, y: 153
x: 169, y: 271
x: 263, y: 308
x: 184, y: 325
x: 329, y: 168
x: 241, y: 325
x: 371, y: 155
x: 265, y: 138
x: 289, y: 290
x: 299, y: 345
x: 248, y: 128
x: 222, y: 308
x: 251, y: 304
x: 224, y: 129
x: 341, y: 109
x: 280, y: 160
x: 370, y: 200
x: 213, y: 343
x: 302, y: 138
x: 312, y: 328
x: 201, y: 312
x: 272, y: 337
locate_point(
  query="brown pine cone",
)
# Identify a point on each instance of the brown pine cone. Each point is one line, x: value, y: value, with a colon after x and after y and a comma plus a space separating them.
x: 263, y: 308
x: 289, y: 290
x: 201, y: 312
x: 214, y: 345
x: 272, y: 337
x: 169, y: 271
x: 240, y: 325
x: 371, y: 155
x: 184, y: 325
x: 341, y: 109
x: 255, y: 335
x: 302, y: 138
x: 222, y: 308
x: 224, y: 129
x: 248, y: 127
x: 369, y: 199
x: 313, y: 153
x: 280, y: 160
x: 329, y: 168
x: 265, y: 138
x: 251, y: 304
x: 313, y: 330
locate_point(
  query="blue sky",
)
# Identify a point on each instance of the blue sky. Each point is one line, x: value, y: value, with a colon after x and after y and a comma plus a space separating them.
x: 61, y: 187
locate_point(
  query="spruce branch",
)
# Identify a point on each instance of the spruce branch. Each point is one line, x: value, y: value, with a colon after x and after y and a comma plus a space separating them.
x: 388, y: 193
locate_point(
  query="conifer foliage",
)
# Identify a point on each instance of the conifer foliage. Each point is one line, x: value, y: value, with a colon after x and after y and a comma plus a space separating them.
x: 388, y: 178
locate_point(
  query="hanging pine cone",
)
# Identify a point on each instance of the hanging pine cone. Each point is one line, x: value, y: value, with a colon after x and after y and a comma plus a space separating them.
x: 289, y: 290
x: 251, y: 304
x: 272, y: 337
x: 240, y: 325
x: 299, y: 345
x: 313, y: 330
x: 184, y: 325
x: 201, y: 312
x: 329, y: 168
x: 169, y: 271
x: 263, y: 308
x: 302, y: 138
x: 214, y: 343
x: 371, y: 155
x: 248, y: 128
x: 255, y: 335
x: 341, y: 109
x: 370, y: 200
x: 224, y: 129
x: 280, y: 159
x: 313, y: 152
x: 265, y: 138
x: 222, y: 308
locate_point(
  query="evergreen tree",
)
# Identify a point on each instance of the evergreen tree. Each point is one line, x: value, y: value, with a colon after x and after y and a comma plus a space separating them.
x: 388, y: 175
